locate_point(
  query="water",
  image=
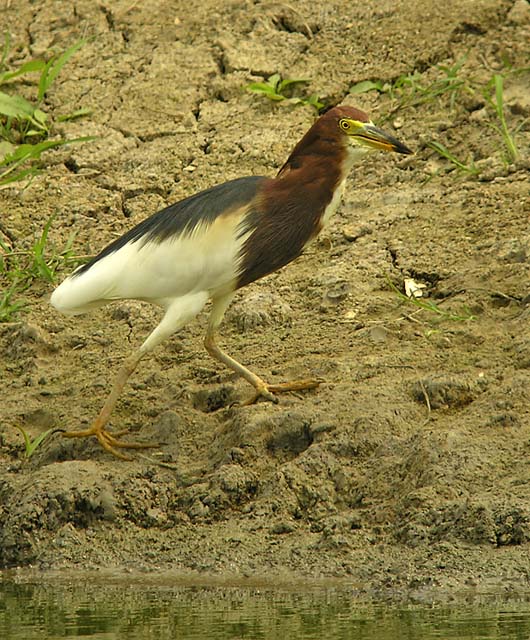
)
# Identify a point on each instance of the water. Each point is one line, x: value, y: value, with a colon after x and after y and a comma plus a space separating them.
x: 46, y: 611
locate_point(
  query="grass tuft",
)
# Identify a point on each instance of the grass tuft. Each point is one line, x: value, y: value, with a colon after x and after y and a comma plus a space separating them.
x: 496, y: 85
x: 278, y: 90
x: 25, y: 127
x: 10, y: 309
x: 410, y: 90
x: 30, y: 446
x: 20, y: 268
x: 450, y: 85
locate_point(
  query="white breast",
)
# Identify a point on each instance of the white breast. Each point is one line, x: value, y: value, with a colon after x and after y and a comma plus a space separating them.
x: 333, y: 205
x: 354, y: 154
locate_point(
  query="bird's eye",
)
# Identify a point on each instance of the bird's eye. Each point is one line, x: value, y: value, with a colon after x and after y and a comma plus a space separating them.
x: 344, y: 125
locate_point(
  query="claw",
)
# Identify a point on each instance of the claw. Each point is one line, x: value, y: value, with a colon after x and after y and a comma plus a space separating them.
x: 261, y: 392
x: 267, y: 391
x: 108, y: 441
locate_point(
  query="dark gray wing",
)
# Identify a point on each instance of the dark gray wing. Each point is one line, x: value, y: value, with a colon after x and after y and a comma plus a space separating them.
x: 183, y: 217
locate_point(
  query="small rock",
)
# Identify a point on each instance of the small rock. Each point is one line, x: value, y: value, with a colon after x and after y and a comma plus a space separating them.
x: 354, y: 231
x: 479, y: 115
x: 378, y: 334
x: 337, y: 293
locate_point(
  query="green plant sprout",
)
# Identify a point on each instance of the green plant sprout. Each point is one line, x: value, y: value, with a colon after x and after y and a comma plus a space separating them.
x: 448, y: 155
x: 276, y: 89
x: 38, y: 266
x: 30, y: 446
x: 432, y: 307
x: 23, y: 267
x: 9, y: 309
x: 497, y: 83
x: 24, y: 126
x: 11, y: 164
x: 409, y: 90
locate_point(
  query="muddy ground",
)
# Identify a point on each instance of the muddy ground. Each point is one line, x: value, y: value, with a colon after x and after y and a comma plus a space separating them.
x: 408, y: 470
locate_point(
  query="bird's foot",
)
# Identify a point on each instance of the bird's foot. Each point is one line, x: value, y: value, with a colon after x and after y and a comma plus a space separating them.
x: 268, y: 391
x: 109, y: 442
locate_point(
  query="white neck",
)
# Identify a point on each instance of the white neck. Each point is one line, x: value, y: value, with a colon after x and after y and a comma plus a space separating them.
x: 354, y: 155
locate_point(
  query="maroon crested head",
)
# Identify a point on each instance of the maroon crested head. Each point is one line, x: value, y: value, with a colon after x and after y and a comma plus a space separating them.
x: 345, y: 111
x: 341, y: 132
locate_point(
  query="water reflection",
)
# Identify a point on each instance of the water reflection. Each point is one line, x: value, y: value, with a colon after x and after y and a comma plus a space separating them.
x: 31, y: 611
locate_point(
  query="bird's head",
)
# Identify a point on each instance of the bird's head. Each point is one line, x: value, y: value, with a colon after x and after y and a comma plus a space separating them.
x: 341, y: 137
x: 355, y: 127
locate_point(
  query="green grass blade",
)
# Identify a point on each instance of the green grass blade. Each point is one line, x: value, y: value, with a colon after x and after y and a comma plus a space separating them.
x: 499, y: 107
x: 9, y: 309
x: 499, y: 93
x: 37, y: 441
x: 25, y: 151
x: 274, y: 80
x: 15, y: 106
x: 314, y: 101
x: 8, y: 177
x: 53, y: 68
x: 40, y: 266
x: 284, y: 84
x: 364, y: 86
x: 28, y: 152
x: 30, y: 446
x: 277, y: 90
x: 27, y: 441
x: 28, y: 67
x: 432, y: 307
x: 261, y: 87
x: 445, y: 153
x: 44, y: 85
x: 78, y: 113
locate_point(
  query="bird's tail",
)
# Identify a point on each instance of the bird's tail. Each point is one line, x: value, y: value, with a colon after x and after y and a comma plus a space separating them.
x: 84, y: 291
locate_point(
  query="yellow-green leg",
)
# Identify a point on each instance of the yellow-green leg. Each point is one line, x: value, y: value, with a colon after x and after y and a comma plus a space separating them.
x: 109, y: 442
x: 178, y: 313
x: 263, y: 389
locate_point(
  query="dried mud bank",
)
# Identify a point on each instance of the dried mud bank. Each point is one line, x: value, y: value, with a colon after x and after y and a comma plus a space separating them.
x: 408, y: 470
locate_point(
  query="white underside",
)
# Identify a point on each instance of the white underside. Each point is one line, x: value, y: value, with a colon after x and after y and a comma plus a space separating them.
x: 204, y: 262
